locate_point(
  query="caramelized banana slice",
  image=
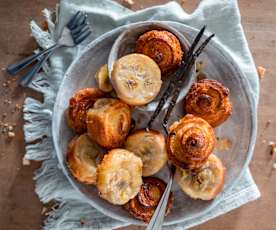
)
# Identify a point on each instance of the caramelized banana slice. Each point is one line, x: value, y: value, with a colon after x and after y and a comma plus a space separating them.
x: 81, y: 101
x: 163, y: 47
x: 136, y: 79
x: 150, y: 147
x: 144, y: 204
x: 108, y: 122
x: 82, y: 157
x: 102, y: 79
x: 119, y: 176
x: 204, y: 183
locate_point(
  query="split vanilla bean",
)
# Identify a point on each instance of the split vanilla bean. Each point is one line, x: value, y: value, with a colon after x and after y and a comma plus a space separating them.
x: 175, y: 78
x: 185, y: 71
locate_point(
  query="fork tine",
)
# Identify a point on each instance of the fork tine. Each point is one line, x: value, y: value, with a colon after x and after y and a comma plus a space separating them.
x: 79, y: 29
x: 82, y: 37
x: 69, y: 24
x: 84, y: 21
x: 76, y: 21
x: 79, y: 21
x: 77, y: 33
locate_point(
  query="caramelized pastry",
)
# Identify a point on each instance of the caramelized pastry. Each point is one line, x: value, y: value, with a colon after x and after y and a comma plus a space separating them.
x: 209, y: 100
x: 204, y: 183
x: 119, y: 176
x: 81, y: 101
x: 136, y: 79
x: 191, y: 140
x: 163, y: 47
x: 108, y: 122
x: 144, y: 204
x: 102, y: 79
x: 150, y: 147
x: 82, y: 158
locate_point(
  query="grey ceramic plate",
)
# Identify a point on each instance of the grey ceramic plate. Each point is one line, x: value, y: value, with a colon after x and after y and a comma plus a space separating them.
x: 240, y: 128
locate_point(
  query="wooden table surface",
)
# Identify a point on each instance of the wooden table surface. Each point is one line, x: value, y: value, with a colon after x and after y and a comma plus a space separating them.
x: 19, y: 205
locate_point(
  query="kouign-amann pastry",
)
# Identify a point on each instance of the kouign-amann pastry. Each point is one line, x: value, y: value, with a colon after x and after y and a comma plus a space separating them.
x: 119, y: 176
x: 144, y: 204
x: 81, y: 101
x: 108, y: 122
x: 191, y: 140
x: 136, y: 79
x: 83, y: 156
x: 163, y: 47
x: 204, y: 183
x: 209, y: 100
x: 150, y: 146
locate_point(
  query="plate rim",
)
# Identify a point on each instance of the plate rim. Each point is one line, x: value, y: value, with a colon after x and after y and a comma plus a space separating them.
x: 251, y: 144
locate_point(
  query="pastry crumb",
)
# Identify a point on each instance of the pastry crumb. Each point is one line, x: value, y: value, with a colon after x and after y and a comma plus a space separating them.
x: 267, y: 123
x: 274, y: 166
x: 128, y: 3
x: 44, y: 210
x: 18, y: 107
x: 182, y: 2
x: 261, y: 72
x: 272, y: 144
x: 223, y: 144
x: 25, y: 161
x: 82, y: 222
x: 11, y: 134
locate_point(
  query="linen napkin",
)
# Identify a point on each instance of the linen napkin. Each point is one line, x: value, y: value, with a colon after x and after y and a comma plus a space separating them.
x: 221, y: 17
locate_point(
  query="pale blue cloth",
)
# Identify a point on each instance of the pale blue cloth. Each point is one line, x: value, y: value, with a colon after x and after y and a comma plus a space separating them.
x: 222, y: 18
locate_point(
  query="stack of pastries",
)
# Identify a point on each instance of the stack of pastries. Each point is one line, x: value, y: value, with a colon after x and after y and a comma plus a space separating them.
x: 121, y: 162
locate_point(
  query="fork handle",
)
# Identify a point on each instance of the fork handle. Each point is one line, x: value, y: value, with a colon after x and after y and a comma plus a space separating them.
x: 15, y: 68
x: 27, y: 78
x: 157, y: 219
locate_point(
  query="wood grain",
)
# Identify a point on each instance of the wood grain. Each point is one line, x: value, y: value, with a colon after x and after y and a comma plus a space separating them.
x: 20, y: 207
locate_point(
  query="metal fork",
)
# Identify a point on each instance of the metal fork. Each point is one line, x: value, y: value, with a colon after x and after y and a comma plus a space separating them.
x: 75, y: 32
x: 157, y: 219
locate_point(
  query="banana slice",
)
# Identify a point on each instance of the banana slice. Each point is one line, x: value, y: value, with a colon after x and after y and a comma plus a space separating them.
x: 136, y: 79
x: 83, y: 156
x: 102, y: 79
x: 204, y: 183
x: 119, y: 176
x: 150, y: 147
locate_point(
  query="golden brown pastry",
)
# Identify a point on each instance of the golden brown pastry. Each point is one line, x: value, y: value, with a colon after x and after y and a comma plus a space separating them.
x: 102, y: 79
x: 204, y: 183
x: 81, y: 101
x: 150, y: 147
x: 209, y: 100
x: 163, y: 47
x: 144, y: 204
x: 119, y: 176
x: 191, y: 140
x: 108, y: 122
x: 83, y: 156
x: 136, y: 79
